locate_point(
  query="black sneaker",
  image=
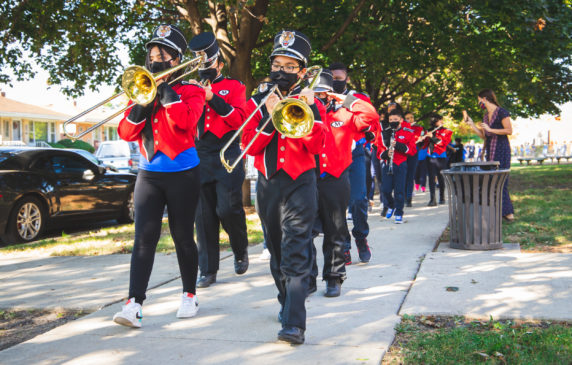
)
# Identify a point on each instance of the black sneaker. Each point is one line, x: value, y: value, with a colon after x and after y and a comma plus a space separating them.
x: 408, y: 204
x: 206, y: 280
x: 364, y: 252
x: 432, y: 203
x: 333, y: 288
x: 293, y: 335
x: 241, y: 264
x: 348, y: 257
x: 441, y: 201
x: 383, y: 212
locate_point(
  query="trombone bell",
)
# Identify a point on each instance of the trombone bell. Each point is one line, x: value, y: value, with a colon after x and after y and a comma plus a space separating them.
x: 293, y: 118
x: 139, y: 85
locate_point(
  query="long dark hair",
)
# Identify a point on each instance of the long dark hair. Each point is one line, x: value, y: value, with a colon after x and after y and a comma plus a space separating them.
x: 489, y: 94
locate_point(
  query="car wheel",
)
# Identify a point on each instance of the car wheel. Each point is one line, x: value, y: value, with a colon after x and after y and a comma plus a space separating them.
x: 27, y: 220
x: 128, y: 211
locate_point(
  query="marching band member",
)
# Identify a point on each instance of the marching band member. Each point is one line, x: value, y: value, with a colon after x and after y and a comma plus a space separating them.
x: 347, y: 118
x: 359, y: 203
x: 412, y: 160
x: 220, y: 199
x: 395, y: 144
x: 286, y: 187
x: 436, y: 140
x: 168, y: 174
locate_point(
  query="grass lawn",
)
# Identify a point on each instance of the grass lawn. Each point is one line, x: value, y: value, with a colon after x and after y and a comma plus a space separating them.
x: 118, y: 239
x: 542, y: 199
x: 456, y: 340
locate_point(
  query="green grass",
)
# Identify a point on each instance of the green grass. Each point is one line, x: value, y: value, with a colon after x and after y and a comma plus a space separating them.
x: 542, y: 199
x: 117, y: 240
x: 455, y: 340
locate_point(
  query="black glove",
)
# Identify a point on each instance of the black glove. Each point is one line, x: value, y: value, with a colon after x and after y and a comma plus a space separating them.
x: 369, y: 136
x: 385, y: 155
x: 269, y: 127
x: 401, y: 147
x: 140, y: 113
x: 166, y: 94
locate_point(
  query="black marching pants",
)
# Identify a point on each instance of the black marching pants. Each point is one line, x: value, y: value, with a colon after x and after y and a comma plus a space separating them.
x: 434, y: 167
x: 180, y: 191
x: 287, y: 209
x: 333, y: 198
x: 220, y: 202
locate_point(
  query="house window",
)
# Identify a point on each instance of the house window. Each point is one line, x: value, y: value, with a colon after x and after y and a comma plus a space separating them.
x: 51, y: 132
x: 39, y: 132
x: 6, y: 130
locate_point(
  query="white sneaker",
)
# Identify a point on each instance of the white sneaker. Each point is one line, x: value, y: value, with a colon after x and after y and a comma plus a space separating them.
x: 189, y: 306
x: 130, y: 315
x: 265, y: 255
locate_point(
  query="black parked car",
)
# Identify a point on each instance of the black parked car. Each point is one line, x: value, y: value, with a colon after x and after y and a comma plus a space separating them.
x: 41, y: 187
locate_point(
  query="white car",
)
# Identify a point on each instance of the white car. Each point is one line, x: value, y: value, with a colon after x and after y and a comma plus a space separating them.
x: 124, y: 156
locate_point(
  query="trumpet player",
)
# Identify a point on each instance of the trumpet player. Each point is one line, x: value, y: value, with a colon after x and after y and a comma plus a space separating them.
x: 395, y: 143
x: 348, y: 117
x: 286, y: 187
x: 168, y: 175
x: 220, y: 200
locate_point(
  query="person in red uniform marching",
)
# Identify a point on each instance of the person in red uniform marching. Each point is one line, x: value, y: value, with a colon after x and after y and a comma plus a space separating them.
x: 221, y: 193
x: 395, y: 144
x: 286, y: 187
x: 359, y: 202
x: 436, y: 140
x: 348, y: 117
x: 412, y: 161
x: 168, y: 174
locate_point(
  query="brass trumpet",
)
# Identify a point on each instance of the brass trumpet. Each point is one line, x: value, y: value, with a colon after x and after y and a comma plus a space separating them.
x: 140, y: 86
x: 291, y: 117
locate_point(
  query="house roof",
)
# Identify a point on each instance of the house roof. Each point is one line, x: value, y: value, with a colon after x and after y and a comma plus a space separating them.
x: 16, y: 109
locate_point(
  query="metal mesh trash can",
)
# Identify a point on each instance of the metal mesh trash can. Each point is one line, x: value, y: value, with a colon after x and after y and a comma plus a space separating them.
x: 475, y: 198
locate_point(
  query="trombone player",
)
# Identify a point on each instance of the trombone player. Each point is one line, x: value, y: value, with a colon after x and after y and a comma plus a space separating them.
x: 286, y: 187
x: 168, y: 174
x: 220, y: 199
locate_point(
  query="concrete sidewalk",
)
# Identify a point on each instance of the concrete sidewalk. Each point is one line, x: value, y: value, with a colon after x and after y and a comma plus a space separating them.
x: 504, y: 284
x: 237, y: 321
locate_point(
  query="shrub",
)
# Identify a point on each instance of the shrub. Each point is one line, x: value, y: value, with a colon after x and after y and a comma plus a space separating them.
x: 68, y: 143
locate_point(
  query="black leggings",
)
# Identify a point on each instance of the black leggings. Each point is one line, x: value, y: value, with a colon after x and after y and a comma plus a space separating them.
x: 180, y: 192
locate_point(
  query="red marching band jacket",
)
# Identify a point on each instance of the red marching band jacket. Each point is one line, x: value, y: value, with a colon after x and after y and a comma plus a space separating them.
x: 174, y: 124
x: 443, y: 138
x: 417, y: 130
x: 345, y: 124
x: 225, y: 112
x: 404, y: 136
x: 293, y: 155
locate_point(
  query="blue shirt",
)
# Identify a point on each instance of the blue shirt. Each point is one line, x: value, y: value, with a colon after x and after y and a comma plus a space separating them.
x: 422, y: 154
x: 162, y: 163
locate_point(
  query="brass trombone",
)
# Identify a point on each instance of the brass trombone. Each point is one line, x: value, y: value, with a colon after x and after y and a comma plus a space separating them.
x: 140, y: 86
x: 291, y: 117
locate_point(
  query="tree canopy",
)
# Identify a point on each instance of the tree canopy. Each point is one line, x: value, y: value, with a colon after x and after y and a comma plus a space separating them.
x: 430, y: 56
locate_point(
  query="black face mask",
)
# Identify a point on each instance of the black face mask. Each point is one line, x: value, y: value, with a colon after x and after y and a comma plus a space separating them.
x: 394, y: 125
x: 208, y: 74
x: 283, y: 79
x: 159, y: 66
x: 339, y: 86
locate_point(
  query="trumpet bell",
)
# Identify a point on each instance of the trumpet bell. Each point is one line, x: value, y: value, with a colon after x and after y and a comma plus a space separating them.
x: 293, y: 118
x: 139, y: 85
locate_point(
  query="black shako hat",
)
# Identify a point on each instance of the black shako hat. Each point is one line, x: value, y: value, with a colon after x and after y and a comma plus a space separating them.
x: 292, y: 43
x: 205, y: 43
x: 170, y: 36
x: 326, y: 81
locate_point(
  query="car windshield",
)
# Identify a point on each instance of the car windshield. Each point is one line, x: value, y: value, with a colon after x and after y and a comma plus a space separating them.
x: 113, y: 150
